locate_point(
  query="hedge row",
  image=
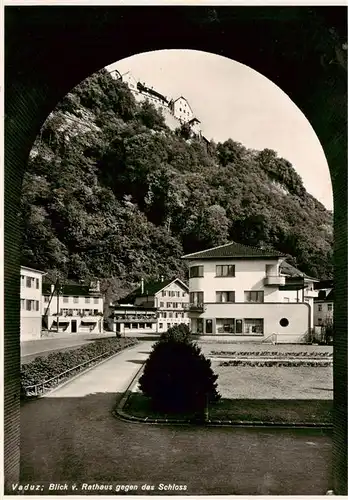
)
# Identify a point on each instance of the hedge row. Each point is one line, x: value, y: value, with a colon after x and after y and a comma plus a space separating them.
x: 44, y: 368
x: 278, y: 354
x: 288, y: 363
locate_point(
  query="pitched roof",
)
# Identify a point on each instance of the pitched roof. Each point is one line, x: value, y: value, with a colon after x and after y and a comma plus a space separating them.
x: 234, y: 251
x: 322, y: 297
x: 291, y: 271
x: 151, y: 288
x: 72, y: 289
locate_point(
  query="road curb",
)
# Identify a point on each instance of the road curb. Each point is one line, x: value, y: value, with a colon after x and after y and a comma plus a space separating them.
x: 120, y: 413
x: 81, y: 373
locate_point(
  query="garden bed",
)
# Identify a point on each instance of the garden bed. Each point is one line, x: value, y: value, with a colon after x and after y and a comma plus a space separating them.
x: 44, y: 373
x: 275, y: 354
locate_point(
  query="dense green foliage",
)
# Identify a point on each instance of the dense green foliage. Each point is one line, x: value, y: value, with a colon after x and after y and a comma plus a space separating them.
x: 111, y: 192
x: 44, y: 368
x: 177, y: 377
x: 178, y: 333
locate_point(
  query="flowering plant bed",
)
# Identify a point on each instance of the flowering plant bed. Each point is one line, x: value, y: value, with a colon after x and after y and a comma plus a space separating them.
x: 277, y: 362
x: 276, y: 354
x: 266, y: 411
x: 45, y: 373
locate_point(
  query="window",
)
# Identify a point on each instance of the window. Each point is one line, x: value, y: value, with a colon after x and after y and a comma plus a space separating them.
x: 175, y: 305
x: 269, y: 268
x: 127, y: 325
x: 225, y: 296
x: 225, y: 325
x: 196, y: 271
x: 253, y: 326
x: 37, y: 305
x: 164, y: 315
x: 253, y: 296
x: 134, y: 325
x: 87, y: 300
x: 28, y: 305
x: 37, y: 283
x: 22, y: 304
x: 319, y: 307
x: 329, y: 307
x: 76, y: 300
x: 223, y: 271
x: 170, y: 315
x: 148, y: 325
x: 164, y: 294
x: 95, y: 311
x: 46, y: 298
x: 320, y: 320
x: 183, y: 294
x: 160, y: 325
x: 196, y: 297
x: 65, y: 299
x: 28, y: 282
x: 22, y: 280
x: 96, y: 300
x: 161, y: 304
x: 176, y: 315
x: 178, y: 294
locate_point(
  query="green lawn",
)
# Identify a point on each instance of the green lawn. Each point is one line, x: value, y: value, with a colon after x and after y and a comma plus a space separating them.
x: 298, y: 382
x: 264, y: 410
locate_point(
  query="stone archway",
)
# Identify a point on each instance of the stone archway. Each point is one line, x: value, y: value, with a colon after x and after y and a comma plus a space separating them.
x: 51, y: 49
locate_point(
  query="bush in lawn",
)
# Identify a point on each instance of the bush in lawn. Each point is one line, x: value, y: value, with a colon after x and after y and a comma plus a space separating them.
x: 178, y: 378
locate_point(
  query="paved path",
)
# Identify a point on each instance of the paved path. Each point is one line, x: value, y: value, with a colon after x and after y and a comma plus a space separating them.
x: 71, y: 436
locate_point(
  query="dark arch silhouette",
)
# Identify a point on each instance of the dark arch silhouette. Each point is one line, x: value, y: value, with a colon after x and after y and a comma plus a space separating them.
x: 50, y: 49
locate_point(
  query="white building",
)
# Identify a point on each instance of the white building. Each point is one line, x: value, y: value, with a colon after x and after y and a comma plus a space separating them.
x: 249, y: 293
x: 129, y: 318
x: 168, y: 299
x: 73, y: 308
x: 31, y: 308
x: 323, y: 308
x: 181, y: 109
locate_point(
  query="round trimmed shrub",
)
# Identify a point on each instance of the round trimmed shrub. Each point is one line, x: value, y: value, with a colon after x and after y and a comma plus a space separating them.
x: 178, y: 378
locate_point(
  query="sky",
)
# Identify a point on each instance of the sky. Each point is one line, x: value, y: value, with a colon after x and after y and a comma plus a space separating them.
x: 234, y: 101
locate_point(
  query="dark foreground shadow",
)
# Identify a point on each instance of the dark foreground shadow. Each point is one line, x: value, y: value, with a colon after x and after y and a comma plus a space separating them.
x: 78, y: 441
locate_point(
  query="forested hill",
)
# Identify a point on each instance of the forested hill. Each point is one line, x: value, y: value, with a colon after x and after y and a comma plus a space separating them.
x: 111, y: 192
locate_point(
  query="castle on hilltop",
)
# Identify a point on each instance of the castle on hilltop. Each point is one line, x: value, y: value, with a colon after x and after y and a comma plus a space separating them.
x: 176, y: 112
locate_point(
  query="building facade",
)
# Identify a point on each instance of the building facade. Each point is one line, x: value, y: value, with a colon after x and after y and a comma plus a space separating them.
x: 72, y: 308
x: 31, y: 303
x: 129, y: 318
x: 168, y: 299
x: 249, y: 293
x: 323, y: 308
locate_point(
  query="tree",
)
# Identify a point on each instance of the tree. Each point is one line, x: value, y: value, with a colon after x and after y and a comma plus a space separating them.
x: 178, y: 378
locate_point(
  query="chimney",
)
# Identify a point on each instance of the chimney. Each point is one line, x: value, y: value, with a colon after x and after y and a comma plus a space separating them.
x: 142, y: 286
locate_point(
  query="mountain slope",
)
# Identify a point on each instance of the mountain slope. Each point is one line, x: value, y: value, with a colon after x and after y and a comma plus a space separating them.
x: 111, y: 191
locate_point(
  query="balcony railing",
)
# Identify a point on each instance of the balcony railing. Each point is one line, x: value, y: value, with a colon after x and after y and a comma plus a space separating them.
x: 134, y: 319
x: 194, y: 307
x: 274, y: 280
